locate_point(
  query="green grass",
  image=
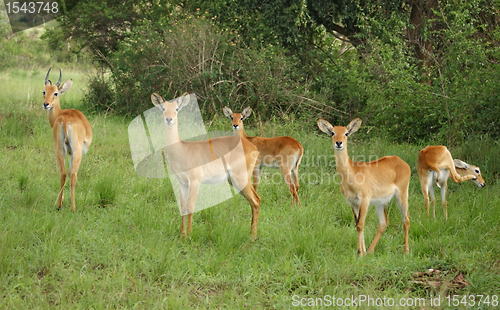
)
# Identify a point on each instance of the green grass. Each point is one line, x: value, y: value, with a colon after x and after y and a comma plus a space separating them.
x: 121, y: 248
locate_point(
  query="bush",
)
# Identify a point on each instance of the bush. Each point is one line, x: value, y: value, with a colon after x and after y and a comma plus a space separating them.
x: 191, y: 55
x: 23, y: 51
x: 101, y: 93
x: 382, y: 82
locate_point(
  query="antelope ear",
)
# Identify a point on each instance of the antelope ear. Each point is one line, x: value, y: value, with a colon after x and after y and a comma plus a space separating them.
x: 353, y: 126
x: 246, y: 113
x: 227, y: 112
x: 65, y: 87
x: 460, y: 164
x: 157, y: 100
x: 183, y: 100
x: 325, y: 126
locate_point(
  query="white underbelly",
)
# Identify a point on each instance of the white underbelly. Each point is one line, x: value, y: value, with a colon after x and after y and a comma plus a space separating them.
x: 444, y: 174
x: 379, y: 201
x: 217, y: 179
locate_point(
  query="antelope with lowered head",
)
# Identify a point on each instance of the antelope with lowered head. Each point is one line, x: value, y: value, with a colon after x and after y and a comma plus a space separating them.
x: 435, y: 166
x: 71, y: 132
x: 369, y: 183
x: 197, y: 162
x: 284, y: 153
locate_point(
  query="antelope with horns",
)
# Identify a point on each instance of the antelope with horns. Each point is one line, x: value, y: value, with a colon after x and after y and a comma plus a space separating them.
x: 194, y: 163
x: 71, y: 132
x: 284, y: 153
x: 374, y: 183
x: 435, y: 166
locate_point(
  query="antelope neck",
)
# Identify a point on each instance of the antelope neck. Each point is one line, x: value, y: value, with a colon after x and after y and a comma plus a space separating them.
x: 242, y: 133
x: 54, y: 113
x: 172, y: 134
x: 172, y: 137
x: 342, y: 161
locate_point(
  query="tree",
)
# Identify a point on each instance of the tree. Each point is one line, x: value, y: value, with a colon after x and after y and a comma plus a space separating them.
x: 102, y: 25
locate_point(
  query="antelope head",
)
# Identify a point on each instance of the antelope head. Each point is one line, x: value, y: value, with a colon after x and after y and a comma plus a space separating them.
x: 237, y: 118
x: 170, y: 109
x: 464, y: 168
x: 52, y: 93
x: 339, y: 134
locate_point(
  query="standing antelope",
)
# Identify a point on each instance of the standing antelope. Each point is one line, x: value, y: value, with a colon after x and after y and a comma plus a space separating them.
x: 435, y: 165
x: 194, y: 163
x: 375, y: 183
x: 279, y: 152
x: 71, y: 132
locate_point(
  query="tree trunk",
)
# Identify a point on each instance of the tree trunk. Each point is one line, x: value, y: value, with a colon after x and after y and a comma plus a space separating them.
x: 421, y: 15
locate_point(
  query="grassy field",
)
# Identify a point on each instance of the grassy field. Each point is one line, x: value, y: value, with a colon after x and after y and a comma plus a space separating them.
x: 121, y: 248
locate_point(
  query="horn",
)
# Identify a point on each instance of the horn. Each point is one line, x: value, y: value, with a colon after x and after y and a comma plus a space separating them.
x: 60, y: 77
x: 47, y: 77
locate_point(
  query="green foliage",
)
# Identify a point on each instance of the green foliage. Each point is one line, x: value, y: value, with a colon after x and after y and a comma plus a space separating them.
x: 288, y: 57
x: 101, y: 93
x: 455, y: 100
x: 189, y: 54
x: 25, y: 49
x: 5, y: 28
x: 101, y: 25
x: 400, y: 106
x: 468, y: 71
x: 258, y: 22
x: 460, y: 98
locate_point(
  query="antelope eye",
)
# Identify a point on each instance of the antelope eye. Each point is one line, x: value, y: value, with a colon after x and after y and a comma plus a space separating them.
x: 241, y: 118
x: 43, y: 93
x: 477, y: 171
x: 346, y: 134
x: 177, y: 109
x: 55, y: 94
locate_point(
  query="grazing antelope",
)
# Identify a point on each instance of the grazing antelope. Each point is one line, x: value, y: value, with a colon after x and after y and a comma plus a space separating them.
x: 435, y: 166
x: 194, y: 163
x: 279, y: 152
x: 71, y: 132
x: 374, y: 183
